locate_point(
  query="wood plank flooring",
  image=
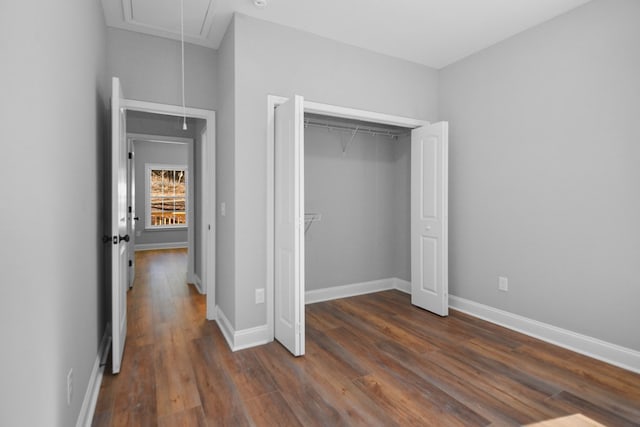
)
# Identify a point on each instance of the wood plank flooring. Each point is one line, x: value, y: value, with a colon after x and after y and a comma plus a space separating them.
x: 372, y: 360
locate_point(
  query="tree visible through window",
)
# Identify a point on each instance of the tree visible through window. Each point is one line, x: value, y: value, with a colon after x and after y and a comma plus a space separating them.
x: 166, y: 196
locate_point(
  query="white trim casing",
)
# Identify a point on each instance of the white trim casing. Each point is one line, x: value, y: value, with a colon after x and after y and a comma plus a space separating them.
x: 85, y: 417
x: 622, y: 357
x: 355, y: 114
x: 200, y: 164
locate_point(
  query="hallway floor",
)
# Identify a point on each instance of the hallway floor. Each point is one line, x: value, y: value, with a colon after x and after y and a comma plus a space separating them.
x: 371, y: 360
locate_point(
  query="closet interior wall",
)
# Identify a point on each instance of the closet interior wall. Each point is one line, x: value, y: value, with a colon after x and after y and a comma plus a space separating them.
x: 359, y: 183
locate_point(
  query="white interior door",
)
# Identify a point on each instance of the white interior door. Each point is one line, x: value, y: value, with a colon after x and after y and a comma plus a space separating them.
x: 132, y: 218
x: 119, y: 236
x: 289, y: 225
x: 429, y: 235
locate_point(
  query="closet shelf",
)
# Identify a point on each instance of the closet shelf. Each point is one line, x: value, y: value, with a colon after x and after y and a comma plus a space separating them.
x: 392, y: 132
x: 310, y: 218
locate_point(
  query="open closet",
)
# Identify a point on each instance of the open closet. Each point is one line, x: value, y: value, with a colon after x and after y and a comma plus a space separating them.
x: 359, y: 204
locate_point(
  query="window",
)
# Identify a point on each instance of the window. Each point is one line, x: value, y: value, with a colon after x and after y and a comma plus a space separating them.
x: 166, y: 196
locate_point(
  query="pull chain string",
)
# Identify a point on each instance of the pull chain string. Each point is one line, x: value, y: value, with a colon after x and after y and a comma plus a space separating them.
x: 184, y: 109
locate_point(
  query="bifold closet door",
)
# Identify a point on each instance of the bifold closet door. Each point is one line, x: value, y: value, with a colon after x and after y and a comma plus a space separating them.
x: 289, y: 225
x: 429, y: 235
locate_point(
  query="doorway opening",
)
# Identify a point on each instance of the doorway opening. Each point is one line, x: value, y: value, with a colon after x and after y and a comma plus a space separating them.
x: 121, y: 215
x: 153, y: 127
x: 165, y: 188
x: 426, y: 219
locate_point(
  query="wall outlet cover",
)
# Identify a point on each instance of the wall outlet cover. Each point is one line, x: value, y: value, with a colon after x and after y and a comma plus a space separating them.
x: 503, y: 284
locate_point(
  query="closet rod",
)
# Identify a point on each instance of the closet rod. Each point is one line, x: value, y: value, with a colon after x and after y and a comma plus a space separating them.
x: 354, y: 130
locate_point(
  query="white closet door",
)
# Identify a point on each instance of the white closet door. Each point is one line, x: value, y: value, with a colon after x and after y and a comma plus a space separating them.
x: 289, y: 225
x: 429, y: 236
x: 119, y: 236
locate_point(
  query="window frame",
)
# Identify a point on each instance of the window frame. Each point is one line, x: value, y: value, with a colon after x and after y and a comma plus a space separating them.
x: 148, y: 167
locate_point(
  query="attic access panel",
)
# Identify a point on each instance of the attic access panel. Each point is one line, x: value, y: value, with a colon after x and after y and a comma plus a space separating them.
x: 164, y: 15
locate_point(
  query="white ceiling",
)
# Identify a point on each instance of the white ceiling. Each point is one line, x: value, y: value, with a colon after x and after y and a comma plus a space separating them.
x: 430, y: 32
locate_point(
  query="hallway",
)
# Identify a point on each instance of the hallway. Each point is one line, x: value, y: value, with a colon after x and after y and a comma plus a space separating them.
x: 165, y: 316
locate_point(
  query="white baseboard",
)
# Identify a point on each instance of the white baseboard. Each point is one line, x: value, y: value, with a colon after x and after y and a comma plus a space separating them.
x: 85, y: 418
x: 156, y: 246
x: 402, y: 285
x: 345, y: 291
x: 244, y: 338
x: 198, y: 283
x: 225, y: 327
x: 611, y: 353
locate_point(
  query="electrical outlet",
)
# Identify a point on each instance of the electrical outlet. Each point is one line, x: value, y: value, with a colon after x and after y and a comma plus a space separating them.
x: 69, y: 386
x: 260, y: 296
x: 223, y: 209
x: 503, y: 284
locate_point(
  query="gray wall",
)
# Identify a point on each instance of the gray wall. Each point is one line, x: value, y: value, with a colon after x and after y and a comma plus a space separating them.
x: 363, y: 231
x: 225, y: 175
x: 272, y: 59
x: 159, y: 124
x: 52, y: 114
x: 157, y: 152
x: 149, y: 69
x: 402, y: 207
x: 545, y: 170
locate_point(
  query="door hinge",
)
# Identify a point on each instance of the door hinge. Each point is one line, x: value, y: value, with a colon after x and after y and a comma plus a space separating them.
x: 130, y: 210
x: 130, y: 263
x: 130, y: 155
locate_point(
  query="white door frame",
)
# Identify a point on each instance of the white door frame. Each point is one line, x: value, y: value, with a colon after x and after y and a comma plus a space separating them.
x: 208, y: 187
x: 316, y: 108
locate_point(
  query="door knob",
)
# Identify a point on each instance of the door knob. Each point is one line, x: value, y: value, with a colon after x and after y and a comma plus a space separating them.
x: 136, y: 218
x: 125, y: 238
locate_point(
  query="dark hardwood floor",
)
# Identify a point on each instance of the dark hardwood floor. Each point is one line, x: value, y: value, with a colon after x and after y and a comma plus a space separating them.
x: 371, y: 360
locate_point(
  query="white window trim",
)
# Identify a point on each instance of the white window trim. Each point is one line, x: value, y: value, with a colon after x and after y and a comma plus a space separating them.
x: 148, y: 167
